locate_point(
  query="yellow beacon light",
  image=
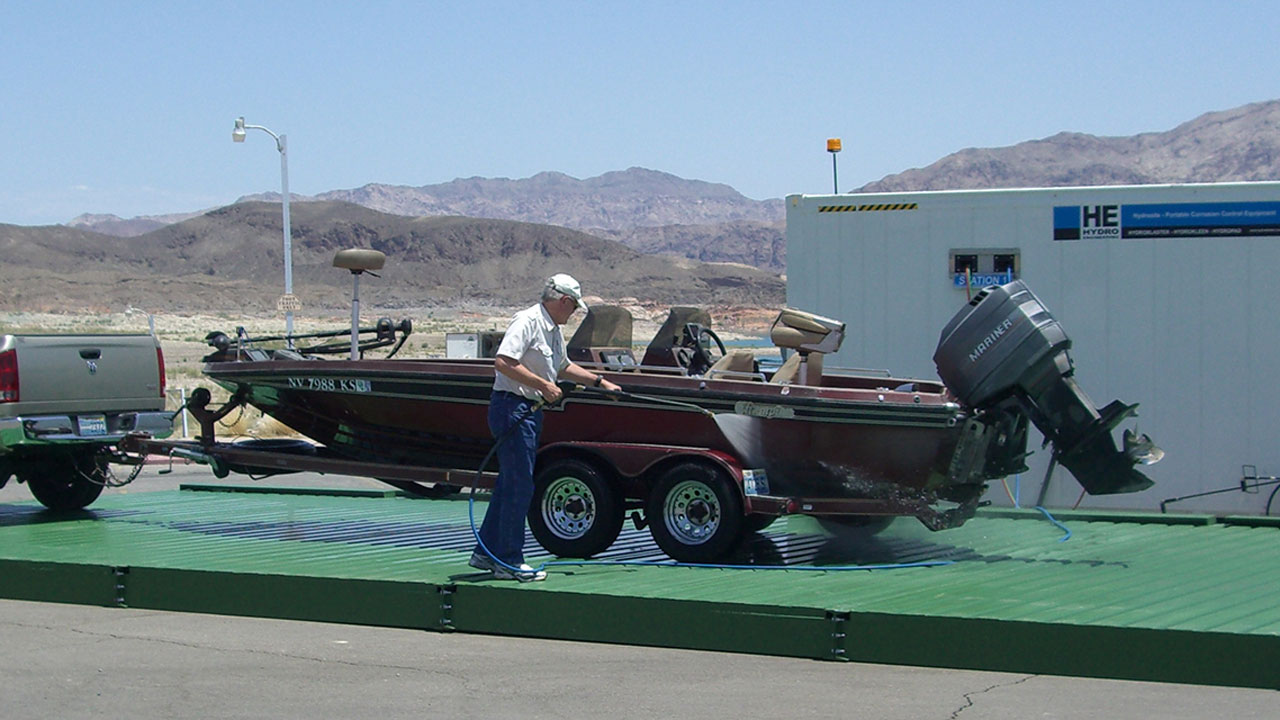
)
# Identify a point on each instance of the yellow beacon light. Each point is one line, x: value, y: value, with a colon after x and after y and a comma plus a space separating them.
x: 833, y: 147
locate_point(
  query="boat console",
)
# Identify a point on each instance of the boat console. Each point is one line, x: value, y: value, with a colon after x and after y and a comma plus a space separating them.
x: 683, y: 342
x: 604, y: 338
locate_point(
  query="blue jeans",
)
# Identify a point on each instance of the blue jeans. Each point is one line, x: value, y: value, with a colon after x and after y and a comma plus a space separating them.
x: 502, y: 531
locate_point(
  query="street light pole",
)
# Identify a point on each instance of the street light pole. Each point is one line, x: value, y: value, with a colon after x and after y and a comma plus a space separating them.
x: 288, y: 301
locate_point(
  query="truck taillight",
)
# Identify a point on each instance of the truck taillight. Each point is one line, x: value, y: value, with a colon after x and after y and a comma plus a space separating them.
x: 9, y: 376
x: 160, y: 363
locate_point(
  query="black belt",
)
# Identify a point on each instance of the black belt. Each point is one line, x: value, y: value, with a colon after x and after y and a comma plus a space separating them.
x: 517, y: 396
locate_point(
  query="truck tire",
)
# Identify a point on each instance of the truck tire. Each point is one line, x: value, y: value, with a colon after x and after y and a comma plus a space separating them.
x: 576, y: 512
x: 61, y: 484
x: 695, y: 513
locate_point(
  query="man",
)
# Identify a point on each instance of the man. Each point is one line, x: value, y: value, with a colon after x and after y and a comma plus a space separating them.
x: 530, y: 359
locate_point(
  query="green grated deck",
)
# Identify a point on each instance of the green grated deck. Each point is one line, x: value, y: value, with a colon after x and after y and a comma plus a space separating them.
x: 1145, y: 597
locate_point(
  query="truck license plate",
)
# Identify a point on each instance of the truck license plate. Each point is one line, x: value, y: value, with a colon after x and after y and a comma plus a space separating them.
x: 91, y: 424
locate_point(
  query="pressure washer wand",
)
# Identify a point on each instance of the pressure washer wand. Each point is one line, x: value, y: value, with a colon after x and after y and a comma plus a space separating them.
x: 566, y: 387
x: 624, y: 395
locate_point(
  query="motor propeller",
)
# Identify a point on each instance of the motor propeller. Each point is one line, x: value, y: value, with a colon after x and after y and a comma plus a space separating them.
x: 1141, y: 449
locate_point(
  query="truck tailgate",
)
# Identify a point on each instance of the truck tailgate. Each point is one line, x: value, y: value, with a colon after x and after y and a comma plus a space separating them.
x: 96, y: 373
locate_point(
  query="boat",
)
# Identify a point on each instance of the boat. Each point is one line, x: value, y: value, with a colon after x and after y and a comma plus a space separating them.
x: 704, y: 445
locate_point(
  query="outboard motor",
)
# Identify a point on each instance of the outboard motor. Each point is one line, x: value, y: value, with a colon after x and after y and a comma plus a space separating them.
x: 1004, y: 347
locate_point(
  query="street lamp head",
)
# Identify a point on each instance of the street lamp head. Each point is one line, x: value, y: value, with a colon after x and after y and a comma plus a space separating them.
x: 237, y: 135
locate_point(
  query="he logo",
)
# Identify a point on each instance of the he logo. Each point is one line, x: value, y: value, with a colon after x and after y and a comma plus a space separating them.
x: 1086, y: 222
x: 1100, y: 216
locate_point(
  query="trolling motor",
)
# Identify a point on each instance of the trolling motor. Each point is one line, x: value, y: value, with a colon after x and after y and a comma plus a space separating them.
x: 1004, y: 349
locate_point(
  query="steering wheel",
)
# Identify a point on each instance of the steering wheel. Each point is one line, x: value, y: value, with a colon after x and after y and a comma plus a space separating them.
x: 698, y: 341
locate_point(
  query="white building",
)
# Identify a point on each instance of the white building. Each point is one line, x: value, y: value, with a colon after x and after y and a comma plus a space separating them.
x: 1169, y: 294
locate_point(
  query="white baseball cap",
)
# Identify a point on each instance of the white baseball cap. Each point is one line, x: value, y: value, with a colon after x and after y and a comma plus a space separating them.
x: 566, y: 285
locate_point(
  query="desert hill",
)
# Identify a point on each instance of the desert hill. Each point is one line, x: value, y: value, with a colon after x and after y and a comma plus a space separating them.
x: 1241, y: 144
x: 636, y: 197
x: 230, y: 260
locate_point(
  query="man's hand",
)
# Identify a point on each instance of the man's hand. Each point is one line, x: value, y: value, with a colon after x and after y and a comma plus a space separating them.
x: 551, y: 393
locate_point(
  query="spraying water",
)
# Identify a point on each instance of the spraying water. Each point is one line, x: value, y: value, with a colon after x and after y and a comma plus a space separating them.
x: 744, y: 434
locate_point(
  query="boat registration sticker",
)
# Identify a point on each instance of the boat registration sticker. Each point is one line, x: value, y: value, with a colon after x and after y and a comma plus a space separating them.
x: 328, y: 384
x: 91, y: 425
x: 755, y: 482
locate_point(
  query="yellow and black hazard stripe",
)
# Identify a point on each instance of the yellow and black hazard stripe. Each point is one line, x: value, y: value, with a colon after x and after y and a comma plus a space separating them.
x: 867, y: 207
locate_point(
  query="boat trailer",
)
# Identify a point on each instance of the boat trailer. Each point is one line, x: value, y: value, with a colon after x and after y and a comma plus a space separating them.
x: 261, y: 458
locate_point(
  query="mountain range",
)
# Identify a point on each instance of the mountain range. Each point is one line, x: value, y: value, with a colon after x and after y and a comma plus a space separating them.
x: 230, y: 259
x: 1241, y: 144
x: 636, y: 232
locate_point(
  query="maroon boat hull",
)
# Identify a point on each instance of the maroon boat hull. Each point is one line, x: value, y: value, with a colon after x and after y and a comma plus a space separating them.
x: 824, y: 441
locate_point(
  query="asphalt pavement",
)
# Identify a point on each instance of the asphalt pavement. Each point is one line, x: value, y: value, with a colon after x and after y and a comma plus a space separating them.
x: 73, y: 661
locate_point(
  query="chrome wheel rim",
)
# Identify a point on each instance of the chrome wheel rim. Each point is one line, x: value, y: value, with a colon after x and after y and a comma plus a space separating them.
x: 691, y: 512
x: 568, y: 508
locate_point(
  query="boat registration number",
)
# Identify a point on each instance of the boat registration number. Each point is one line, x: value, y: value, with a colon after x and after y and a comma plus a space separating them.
x: 91, y: 425
x: 755, y: 482
x: 328, y: 384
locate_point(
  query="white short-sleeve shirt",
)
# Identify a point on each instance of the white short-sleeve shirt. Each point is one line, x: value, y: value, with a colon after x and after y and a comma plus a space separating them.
x: 535, y: 340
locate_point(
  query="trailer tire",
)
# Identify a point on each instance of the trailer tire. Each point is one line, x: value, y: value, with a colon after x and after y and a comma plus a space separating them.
x: 575, y: 511
x: 287, y: 446
x: 66, y: 483
x: 695, y: 513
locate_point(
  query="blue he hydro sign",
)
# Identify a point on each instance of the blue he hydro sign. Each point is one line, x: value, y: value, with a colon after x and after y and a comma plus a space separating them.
x: 1166, y: 220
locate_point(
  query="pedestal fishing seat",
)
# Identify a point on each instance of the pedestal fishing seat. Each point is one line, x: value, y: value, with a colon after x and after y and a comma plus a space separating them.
x: 810, y: 337
x: 358, y: 261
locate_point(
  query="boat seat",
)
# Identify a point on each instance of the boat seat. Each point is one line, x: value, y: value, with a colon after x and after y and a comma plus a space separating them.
x: 805, y: 332
x: 799, y: 369
x: 810, y: 337
x: 736, y: 365
x: 359, y: 260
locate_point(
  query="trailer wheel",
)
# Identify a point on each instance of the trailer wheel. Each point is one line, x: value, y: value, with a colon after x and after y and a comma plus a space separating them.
x: 67, y: 483
x: 575, y: 511
x: 695, y: 513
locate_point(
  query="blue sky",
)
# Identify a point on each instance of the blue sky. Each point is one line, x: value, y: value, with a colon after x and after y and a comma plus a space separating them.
x: 127, y: 107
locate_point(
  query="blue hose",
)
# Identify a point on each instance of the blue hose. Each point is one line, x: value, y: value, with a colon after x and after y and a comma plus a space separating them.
x: 1054, y: 520
x: 1017, y: 489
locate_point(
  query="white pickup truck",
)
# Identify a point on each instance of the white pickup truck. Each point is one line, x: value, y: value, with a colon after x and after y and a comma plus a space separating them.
x: 66, y: 400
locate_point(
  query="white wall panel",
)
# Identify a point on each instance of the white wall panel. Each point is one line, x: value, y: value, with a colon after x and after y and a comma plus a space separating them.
x: 1187, y: 327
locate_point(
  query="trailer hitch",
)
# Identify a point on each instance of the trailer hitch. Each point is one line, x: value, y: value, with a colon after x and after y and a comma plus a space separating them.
x: 198, y: 406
